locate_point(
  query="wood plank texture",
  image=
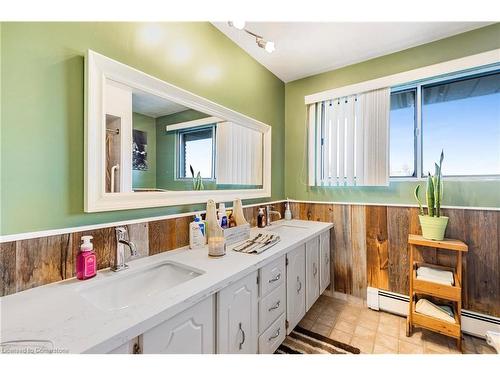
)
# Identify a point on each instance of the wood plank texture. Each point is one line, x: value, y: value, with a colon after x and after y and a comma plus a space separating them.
x: 369, y: 247
x: 7, y: 268
x: 377, y: 257
x: 42, y: 260
x: 358, y: 240
x: 398, y: 224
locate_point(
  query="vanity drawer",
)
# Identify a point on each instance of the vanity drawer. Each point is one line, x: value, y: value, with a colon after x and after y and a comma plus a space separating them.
x: 271, y: 339
x: 272, y: 306
x: 272, y: 276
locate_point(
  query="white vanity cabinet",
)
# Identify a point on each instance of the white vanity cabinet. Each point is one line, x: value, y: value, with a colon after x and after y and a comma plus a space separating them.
x: 272, y: 305
x: 237, y: 317
x: 295, y: 286
x: 324, y: 261
x: 312, y: 272
x: 190, y: 332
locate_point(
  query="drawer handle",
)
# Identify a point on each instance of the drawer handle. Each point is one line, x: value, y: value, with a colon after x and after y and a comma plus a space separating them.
x: 274, y: 307
x: 242, y: 337
x: 278, y: 276
x: 315, y: 270
x: 299, y: 285
x: 275, y: 335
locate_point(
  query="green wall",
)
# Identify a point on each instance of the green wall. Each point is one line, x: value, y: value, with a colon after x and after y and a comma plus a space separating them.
x: 42, y: 85
x: 459, y: 193
x: 146, y: 179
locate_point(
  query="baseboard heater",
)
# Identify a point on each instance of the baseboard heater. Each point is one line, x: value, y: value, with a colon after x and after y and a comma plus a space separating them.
x: 473, y: 323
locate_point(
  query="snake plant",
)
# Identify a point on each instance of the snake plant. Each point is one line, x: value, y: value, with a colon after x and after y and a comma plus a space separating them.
x: 433, y: 192
x: 197, y: 181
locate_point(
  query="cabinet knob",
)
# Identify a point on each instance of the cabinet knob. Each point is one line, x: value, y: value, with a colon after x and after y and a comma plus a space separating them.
x: 299, y: 285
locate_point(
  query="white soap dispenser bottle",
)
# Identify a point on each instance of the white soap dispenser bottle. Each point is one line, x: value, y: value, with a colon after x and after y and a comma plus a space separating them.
x: 288, y: 212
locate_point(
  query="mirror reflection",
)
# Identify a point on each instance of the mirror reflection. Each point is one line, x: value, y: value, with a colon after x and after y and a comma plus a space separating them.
x: 153, y: 144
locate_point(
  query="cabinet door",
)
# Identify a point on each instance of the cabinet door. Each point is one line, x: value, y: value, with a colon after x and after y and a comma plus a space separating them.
x: 189, y: 332
x: 237, y: 317
x: 312, y: 272
x: 295, y: 286
x: 324, y: 261
x: 132, y: 347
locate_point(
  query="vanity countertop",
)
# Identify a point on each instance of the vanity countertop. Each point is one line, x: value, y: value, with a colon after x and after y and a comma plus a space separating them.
x: 59, y: 314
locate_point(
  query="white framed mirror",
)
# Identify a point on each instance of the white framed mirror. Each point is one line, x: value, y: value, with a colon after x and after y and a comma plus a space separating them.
x: 152, y: 144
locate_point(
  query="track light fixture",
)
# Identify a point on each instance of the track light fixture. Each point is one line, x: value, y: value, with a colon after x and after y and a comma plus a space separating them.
x: 261, y: 42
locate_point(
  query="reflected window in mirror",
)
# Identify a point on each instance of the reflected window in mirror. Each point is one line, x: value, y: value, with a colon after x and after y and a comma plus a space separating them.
x: 196, y: 153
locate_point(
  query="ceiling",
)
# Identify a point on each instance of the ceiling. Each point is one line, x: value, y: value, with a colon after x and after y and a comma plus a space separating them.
x: 308, y: 48
x: 152, y: 105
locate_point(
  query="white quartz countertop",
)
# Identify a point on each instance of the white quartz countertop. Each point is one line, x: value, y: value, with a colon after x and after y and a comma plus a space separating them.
x: 59, y: 314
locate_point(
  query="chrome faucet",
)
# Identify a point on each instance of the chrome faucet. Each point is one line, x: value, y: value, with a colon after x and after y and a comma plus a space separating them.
x: 121, y: 242
x: 269, y: 213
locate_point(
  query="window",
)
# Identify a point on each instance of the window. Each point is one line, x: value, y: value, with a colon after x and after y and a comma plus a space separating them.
x: 460, y: 116
x: 402, y: 129
x: 196, y: 150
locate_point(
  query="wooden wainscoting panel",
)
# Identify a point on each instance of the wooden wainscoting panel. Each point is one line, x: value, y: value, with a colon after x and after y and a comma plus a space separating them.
x: 182, y: 231
x: 7, y: 268
x: 457, y: 228
x: 358, y: 240
x: 161, y: 236
x: 398, y: 225
x: 139, y: 235
x: 377, y: 259
x: 342, y: 249
x: 483, y: 282
x: 43, y: 260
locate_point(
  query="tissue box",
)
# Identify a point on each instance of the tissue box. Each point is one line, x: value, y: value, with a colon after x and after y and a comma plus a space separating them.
x: 237, y: 234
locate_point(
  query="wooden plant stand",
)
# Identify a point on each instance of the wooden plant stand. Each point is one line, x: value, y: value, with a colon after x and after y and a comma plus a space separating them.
x: 451, y: 293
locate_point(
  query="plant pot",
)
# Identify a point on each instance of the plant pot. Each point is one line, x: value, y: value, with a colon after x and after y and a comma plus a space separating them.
x: 433, y: 228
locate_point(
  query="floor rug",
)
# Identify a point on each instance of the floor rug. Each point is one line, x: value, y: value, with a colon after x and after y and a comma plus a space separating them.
x: 303, y: 341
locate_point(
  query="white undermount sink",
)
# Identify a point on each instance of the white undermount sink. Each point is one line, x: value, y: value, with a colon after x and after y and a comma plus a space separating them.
x: 128, y: 288
x: 283, y: 229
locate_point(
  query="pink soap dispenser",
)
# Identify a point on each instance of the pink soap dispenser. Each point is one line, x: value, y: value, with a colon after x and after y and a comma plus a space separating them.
x: 86, y: 262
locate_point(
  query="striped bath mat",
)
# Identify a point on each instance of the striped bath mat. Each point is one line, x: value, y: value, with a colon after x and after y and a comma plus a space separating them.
x: 303, y: 341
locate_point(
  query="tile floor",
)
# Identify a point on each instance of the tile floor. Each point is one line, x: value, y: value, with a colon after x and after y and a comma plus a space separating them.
x: 379, y: 332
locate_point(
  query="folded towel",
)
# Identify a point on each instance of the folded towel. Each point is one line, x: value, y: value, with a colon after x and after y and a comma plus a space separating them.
x: 493, y: 339
x: 436, y: 275
x: 434, y: 280
x: 257, y: 244
x: 428, y: 308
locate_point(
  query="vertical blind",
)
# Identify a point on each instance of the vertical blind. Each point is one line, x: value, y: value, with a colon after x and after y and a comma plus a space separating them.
x: 239, y: 155
x: 349, y: 140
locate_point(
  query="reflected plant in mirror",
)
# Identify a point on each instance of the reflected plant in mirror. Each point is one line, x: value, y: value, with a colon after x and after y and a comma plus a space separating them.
x: 197, y: 180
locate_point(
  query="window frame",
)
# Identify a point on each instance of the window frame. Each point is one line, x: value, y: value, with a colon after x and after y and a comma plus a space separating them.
x: 418, y: 134
x: 180, y: 163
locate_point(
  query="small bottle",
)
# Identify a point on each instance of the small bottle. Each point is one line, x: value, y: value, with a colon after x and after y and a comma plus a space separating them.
x: 261, y: 218
x: 223, y: 222
x: 86, y: 263
x: 232, y: 220
x: 196, y: 233
x: 288, y: 212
